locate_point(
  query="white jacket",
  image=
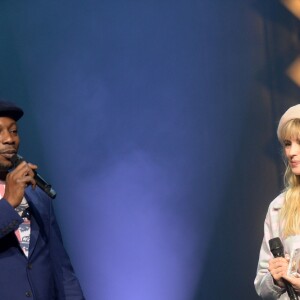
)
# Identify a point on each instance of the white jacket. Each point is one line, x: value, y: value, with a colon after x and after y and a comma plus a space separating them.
x: 263, y: 282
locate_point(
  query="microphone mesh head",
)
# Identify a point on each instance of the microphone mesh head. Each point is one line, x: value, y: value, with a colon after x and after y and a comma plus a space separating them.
x: 276, y: 247
x: 16, y: 160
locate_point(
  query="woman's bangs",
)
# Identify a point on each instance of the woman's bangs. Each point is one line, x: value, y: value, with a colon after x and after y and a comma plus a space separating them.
x: 291, y: 130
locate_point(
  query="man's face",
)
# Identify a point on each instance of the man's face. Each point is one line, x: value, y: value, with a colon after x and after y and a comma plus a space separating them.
x: 9, y: 142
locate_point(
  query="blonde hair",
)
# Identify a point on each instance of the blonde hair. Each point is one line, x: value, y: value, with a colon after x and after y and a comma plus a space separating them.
x: 290, y: 213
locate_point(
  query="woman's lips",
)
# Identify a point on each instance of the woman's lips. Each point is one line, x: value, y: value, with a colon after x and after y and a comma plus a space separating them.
x: 294, y: 163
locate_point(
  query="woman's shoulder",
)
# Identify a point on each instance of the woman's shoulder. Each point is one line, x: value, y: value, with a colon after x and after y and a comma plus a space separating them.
x: 277, y: 203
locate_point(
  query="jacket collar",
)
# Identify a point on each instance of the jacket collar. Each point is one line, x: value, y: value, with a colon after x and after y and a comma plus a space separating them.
x: 34, y: 227
x: 278, y: 201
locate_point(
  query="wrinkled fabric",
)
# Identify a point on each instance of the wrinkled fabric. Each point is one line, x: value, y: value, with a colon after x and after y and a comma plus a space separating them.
x: 264, y: 284
x: 47, y: 273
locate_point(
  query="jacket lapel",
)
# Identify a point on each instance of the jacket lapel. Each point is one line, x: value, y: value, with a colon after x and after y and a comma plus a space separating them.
x: 34, y: 228
x: 34, y: 234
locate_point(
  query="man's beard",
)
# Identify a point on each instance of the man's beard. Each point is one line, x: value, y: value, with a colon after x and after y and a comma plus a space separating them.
x: 5, y: 167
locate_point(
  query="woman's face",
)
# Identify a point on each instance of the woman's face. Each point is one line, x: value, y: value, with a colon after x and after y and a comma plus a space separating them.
x: 292, y: 152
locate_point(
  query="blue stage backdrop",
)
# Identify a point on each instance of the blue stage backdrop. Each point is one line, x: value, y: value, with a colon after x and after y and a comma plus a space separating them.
x: 153, y: 122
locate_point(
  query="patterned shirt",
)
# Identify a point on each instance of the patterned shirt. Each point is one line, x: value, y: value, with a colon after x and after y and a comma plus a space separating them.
x: 23, y: 232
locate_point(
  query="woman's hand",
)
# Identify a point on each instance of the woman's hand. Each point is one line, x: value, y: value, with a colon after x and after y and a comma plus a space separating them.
x: 294, y: 281
x: 278, y: 268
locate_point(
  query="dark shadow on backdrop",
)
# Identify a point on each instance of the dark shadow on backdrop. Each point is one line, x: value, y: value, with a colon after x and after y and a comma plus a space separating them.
x: 232, y: 257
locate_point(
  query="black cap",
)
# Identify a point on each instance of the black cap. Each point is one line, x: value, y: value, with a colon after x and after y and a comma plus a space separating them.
x: 9, y: 109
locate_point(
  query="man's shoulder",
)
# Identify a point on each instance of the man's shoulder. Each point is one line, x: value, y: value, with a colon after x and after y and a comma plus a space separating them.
x: 37, y: 197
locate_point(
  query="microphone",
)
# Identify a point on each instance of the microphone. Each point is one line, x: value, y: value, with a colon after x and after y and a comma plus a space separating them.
x: 40, y: 182
x: 277, y: 250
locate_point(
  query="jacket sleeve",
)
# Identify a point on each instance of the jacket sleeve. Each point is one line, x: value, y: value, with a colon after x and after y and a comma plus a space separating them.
x: 264, y: 284
x: 9, y: 218
x: 67, y: 284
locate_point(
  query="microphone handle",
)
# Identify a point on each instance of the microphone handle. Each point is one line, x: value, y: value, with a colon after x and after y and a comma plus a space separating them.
x: 276, y: 247
x: 40, y: 182
x: 291, y: 292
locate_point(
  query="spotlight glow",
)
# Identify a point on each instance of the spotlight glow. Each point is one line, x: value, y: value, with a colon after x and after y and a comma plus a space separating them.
x: 293, y: 71
x: 293, y: 6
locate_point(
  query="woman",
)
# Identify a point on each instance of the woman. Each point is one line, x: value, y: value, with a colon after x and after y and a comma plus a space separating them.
x: 283, y: 217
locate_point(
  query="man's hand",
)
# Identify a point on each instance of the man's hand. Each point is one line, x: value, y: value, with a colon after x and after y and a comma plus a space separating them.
x: 16, y: 182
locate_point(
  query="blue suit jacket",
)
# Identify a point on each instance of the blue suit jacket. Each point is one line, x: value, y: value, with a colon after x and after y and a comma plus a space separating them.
x: 47, y: 272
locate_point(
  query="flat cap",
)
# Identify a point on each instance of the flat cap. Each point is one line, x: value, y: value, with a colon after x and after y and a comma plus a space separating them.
x: 9, y: 109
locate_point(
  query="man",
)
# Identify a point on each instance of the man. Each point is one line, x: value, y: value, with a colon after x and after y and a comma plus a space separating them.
x: 33, y: 261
